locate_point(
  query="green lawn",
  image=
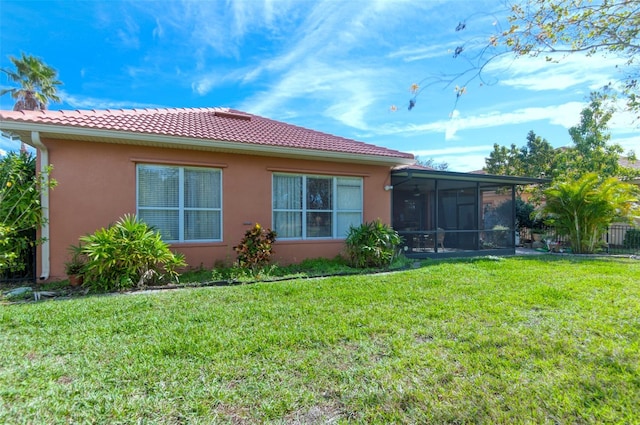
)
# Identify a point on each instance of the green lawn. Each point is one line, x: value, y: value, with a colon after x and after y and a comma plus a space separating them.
x: 535, y: 340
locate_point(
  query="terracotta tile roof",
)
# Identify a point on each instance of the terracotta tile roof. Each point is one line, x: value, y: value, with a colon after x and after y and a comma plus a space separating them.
x: 215, y: 124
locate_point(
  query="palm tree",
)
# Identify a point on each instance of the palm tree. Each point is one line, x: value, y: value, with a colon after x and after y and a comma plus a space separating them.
x: 37, y: 83
x: 583, y: 209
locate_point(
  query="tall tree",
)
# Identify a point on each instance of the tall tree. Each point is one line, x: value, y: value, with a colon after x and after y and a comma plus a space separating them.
x: 538, y: 156
x: 37, y: 83
x: 535, y: 159
x: 591, y: 150
x: 504, y: 161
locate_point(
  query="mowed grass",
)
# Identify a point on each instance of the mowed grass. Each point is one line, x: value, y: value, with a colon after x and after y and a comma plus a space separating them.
x: 521, y: 340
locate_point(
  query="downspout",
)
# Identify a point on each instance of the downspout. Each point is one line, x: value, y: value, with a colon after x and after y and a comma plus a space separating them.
x: 44, y: 200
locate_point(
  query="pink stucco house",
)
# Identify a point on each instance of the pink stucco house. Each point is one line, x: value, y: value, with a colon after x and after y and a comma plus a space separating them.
x: 202, y: 177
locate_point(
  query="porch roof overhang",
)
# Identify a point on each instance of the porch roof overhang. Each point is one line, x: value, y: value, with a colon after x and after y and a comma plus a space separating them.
x: 415, y: 173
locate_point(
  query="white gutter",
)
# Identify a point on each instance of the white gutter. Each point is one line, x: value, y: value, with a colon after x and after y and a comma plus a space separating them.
x: 44, y: 199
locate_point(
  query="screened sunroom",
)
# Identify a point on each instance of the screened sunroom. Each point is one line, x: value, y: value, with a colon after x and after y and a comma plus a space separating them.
x: 450, y: 214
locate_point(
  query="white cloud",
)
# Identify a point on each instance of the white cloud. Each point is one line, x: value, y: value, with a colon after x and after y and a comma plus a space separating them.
x: 459, y: 158
x: 158, y: 31
x: 537, y: 74
x: 464, y: 163
x: 564, y: 115
x: 322, y: 34
x: 624, y: 121
x: 315, y: 36
x: 452, y: 125
x: 351, y: 110
x: 223, y: 26
x: 8, y: 143
x: 628, y: 143
x: 344, y: 94
x: 452, y: 151
x: 551, y: 81
x: 128, y: 34
x: 205, y: 82
x: 413, y: 53
x: 86, y: 102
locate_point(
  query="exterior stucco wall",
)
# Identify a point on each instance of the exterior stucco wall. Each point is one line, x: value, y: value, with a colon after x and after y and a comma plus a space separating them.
x: 97, y: 186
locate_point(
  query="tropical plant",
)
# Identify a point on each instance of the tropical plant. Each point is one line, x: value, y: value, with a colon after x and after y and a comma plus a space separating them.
x: 77, y: 262
x: 20, y: 208
x: 37, y: 83
x: 127, y: 254
x: 372, y: 244
x: 583, y: 209
x: 255, y: 249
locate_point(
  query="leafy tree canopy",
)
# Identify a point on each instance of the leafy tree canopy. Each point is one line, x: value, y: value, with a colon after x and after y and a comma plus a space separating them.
x: 534, y: 159
x: 431, y: 162
x: 591, y: 151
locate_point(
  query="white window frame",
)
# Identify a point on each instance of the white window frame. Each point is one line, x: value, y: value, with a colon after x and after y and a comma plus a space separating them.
x: 334, y: 211
x: 181, y: 209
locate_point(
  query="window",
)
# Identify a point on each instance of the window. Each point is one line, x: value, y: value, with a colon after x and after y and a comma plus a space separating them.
x: 306, y: 207
x: 182, y: 203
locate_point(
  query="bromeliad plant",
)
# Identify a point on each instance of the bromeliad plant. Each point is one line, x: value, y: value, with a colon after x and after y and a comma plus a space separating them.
x: 255, y: 249
x: 373, y: 244
x: 127, y: 254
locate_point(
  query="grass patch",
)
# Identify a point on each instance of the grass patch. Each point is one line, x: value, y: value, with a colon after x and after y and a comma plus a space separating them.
x: 314, y: 267
x: 540, y: 340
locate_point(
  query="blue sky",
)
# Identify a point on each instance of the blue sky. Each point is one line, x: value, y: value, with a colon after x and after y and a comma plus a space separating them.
x: 331, y: 65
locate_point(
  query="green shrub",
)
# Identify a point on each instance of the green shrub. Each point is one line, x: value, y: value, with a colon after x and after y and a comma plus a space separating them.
x: 632, y: 239
x: 127, y: 254
x: 525, y: 214
x: 371, y: 244
x: 255, y: 249
x: 20, y: 209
